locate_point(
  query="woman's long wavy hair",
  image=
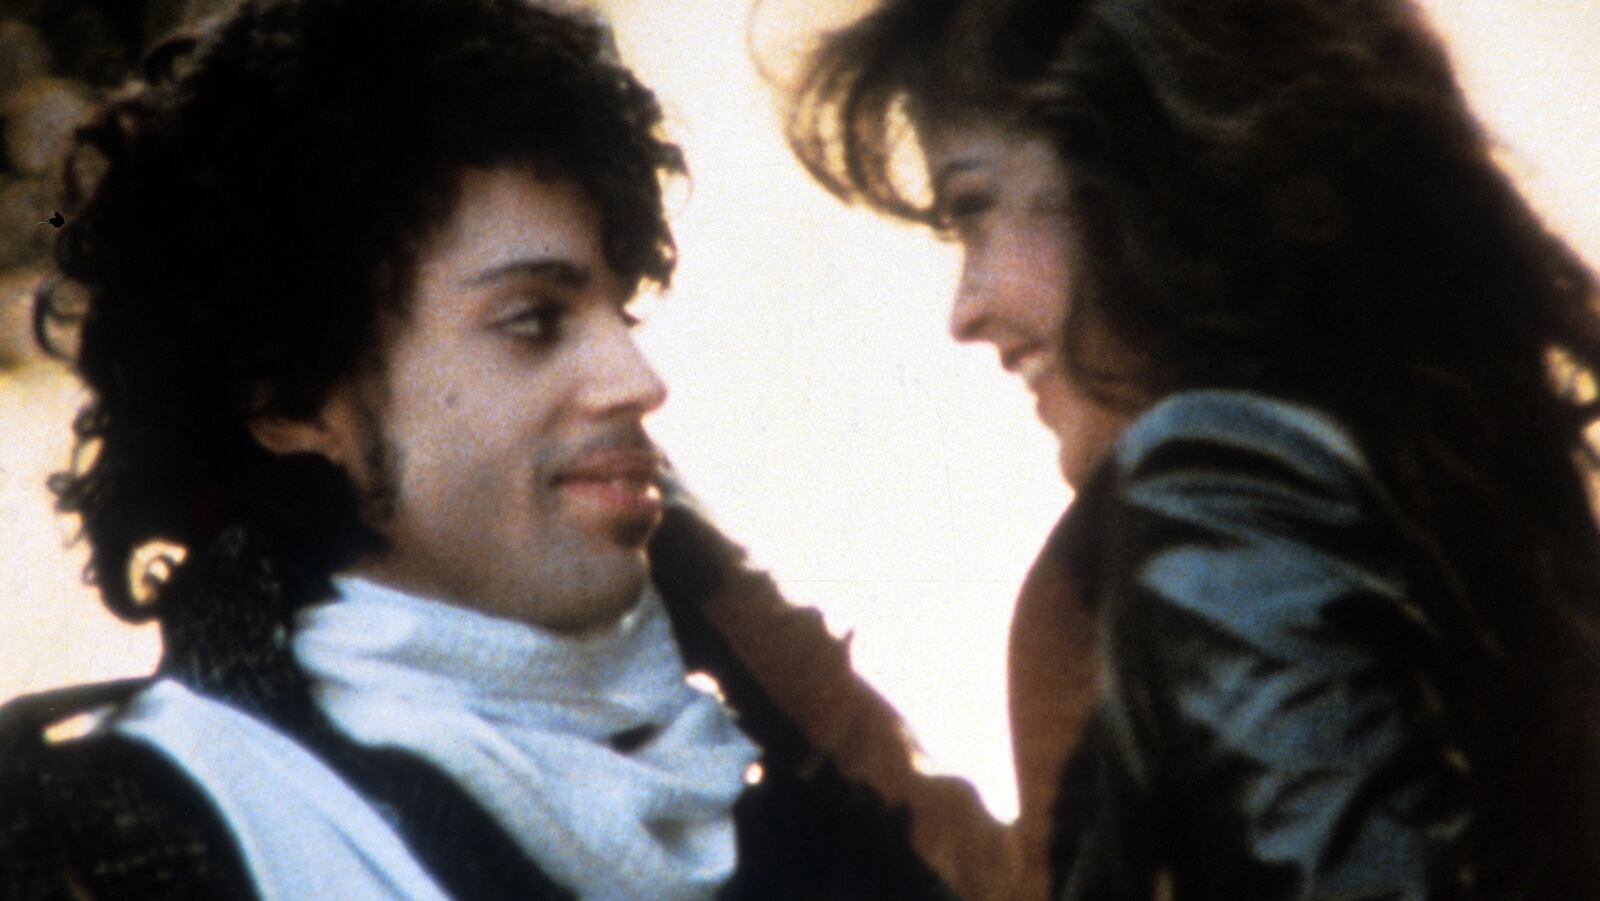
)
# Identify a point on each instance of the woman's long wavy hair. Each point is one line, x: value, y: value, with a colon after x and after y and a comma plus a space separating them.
x: 1292, y: 196
x: 245, y: 217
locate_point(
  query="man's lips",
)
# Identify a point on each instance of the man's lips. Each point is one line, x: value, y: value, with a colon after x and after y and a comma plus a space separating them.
x: 622, y: 465
x: 615, y: 484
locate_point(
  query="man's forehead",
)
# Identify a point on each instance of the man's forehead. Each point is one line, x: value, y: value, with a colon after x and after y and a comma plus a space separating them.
x: 507, y: 217
x: 511, y: 227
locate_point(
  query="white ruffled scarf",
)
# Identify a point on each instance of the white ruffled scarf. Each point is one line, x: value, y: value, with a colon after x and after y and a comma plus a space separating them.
x: 523, y: 720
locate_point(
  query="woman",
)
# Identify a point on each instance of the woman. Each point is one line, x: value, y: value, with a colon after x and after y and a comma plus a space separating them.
x: 1322, y: 621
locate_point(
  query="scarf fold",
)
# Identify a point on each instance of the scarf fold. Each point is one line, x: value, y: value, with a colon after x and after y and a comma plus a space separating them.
x: 526, y: 721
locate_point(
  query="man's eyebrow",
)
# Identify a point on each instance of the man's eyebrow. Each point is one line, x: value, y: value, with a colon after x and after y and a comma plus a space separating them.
x: 565, y: 273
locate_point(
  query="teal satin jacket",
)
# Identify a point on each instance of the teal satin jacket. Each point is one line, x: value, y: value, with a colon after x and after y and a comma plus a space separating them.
x: 1268, y: 726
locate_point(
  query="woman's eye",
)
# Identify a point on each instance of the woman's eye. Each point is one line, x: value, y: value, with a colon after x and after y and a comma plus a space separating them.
x: 961, y: 212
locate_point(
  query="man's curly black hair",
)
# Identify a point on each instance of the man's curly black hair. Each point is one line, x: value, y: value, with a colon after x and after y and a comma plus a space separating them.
x: 259, y: 203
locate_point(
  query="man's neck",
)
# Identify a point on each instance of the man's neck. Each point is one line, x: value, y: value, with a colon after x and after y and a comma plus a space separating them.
x: 598, y: 617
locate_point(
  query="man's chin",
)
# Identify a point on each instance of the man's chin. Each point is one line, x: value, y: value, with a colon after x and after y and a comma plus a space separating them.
x: 592, y: 591
x: 632, y: 533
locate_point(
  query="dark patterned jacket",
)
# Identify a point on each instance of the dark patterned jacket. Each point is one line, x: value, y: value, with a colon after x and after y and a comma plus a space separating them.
x: 105, y: 816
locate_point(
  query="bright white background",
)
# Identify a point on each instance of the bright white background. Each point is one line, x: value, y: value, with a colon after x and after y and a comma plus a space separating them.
x: 884, y: 474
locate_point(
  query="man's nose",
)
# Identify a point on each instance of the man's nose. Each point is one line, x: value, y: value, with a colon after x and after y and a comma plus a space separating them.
x: 621, y: 378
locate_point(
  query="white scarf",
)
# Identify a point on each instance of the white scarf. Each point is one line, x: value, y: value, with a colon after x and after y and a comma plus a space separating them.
x: 521, y: 718
x: 303, y: 833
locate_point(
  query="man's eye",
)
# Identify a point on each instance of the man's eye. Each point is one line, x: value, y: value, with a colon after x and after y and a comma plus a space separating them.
x: 539, y: 324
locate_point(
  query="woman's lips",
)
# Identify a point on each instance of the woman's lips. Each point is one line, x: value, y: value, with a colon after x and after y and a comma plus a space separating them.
x: 1035, y: 366
x: 1032, y: 363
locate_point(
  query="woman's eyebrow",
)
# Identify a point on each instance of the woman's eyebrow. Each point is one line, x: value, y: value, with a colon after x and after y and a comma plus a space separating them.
x: 952, y: 168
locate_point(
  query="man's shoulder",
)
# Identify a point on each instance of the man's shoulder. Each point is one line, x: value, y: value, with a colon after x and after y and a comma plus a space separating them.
x: 99, y: 815
x: 50, y: 750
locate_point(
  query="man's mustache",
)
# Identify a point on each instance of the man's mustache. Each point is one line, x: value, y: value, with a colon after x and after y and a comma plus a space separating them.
x: 623, y: 438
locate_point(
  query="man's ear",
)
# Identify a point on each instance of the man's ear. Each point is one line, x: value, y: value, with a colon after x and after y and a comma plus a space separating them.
x: 285, y: 435
x: 330, y: 431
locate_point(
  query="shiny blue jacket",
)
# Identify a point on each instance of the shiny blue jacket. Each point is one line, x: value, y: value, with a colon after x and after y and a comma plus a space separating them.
x: 1268, y: 725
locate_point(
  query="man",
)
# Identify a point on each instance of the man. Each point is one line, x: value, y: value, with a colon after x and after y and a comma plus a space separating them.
x: 366, y: 439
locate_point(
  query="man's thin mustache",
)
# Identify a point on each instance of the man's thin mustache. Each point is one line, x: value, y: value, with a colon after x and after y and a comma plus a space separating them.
x: 632, y: 437
x: 628, y: 437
